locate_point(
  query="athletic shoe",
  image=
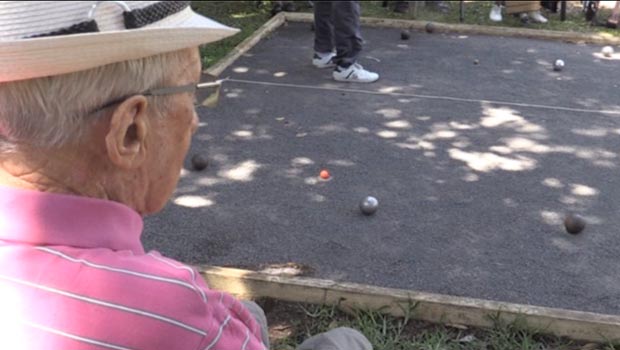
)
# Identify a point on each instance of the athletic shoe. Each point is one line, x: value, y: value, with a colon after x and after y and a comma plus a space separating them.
x: 496, y: 13
x: 537, y: 17
x: 355, y: 73
x: 324, y: 60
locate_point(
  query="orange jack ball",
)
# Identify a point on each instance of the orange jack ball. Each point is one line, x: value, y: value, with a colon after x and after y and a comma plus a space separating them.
x: 324, y: 174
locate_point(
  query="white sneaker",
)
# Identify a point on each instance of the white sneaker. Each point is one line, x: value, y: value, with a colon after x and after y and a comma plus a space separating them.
x: 496, y: 13
x: 524, y: 18
x: 355, y: 74
x: 537, y: 17
x: 323, y: 60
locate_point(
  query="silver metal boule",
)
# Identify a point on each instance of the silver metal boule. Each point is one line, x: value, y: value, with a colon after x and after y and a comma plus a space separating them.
x: 369, y: 205
x: 558, y: 65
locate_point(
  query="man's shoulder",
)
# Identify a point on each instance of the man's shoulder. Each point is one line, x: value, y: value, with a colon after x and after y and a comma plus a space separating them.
x: 112, y: 295
x: 125, y: 273
x: 149, y: 294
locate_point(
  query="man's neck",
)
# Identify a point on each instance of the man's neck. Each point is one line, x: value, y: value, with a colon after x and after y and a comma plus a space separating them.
x: 57, y: 173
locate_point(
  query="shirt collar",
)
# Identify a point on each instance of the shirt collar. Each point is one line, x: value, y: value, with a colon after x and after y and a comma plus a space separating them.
x: 41, y: 218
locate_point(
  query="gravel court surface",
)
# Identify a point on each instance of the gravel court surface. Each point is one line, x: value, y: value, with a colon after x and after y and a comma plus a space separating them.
x: 472, y: 194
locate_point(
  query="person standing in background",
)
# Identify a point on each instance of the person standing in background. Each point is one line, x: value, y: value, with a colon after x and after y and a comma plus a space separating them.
x: 338, y: 22
x: 526, y: 9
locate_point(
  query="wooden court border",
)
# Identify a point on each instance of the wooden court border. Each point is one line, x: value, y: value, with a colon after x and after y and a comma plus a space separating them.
x: 430, y: 307
x: 436, y: 308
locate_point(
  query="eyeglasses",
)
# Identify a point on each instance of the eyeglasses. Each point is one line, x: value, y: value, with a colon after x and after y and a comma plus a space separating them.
x: 206, y: 94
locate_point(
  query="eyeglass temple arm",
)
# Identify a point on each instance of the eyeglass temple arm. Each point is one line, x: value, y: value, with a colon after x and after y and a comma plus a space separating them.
x: 212, y: 83
x: 183, y: 88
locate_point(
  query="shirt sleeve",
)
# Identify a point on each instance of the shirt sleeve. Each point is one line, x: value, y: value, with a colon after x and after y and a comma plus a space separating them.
x: 231, y: 325
x: 225, y: 323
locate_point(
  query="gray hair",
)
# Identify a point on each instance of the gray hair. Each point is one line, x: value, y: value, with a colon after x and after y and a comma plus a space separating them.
x: 53, y: 111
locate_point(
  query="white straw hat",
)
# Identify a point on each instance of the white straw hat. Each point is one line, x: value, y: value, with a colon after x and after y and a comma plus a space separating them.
x: 43, y: 38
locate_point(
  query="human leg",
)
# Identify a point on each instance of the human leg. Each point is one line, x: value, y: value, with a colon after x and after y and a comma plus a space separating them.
x: 323, y: 27
x: 531, y: 8
x: 323, y: 35
x: 614, y: 19
x: 337, y: 339
x: 496, y: 12
x: 346, y: 17
x: 259, y: 316
x: 401, y: 6
x: 348, y: 41
x: 513, y: 7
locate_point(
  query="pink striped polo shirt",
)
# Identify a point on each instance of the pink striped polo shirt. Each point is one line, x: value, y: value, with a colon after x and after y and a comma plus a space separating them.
x: 74, y: 276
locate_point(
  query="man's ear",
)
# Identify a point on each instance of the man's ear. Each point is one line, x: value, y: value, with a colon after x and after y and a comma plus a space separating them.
x: 126, y: 137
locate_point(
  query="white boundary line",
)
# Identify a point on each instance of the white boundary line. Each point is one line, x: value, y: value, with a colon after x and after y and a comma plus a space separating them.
x: 431, y: 97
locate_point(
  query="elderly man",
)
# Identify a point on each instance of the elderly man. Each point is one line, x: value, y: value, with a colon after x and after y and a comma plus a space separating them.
x: 96, y: 117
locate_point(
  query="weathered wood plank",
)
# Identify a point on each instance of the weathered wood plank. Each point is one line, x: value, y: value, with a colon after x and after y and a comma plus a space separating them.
x: 430, y: 307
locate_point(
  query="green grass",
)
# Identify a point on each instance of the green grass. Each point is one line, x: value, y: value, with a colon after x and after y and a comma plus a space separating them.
x: 248, y: 17
x: 244, y: 15
x: 391, y: 333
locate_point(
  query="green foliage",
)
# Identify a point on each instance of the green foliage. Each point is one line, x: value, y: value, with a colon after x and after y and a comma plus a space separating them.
x: 244, y: 15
